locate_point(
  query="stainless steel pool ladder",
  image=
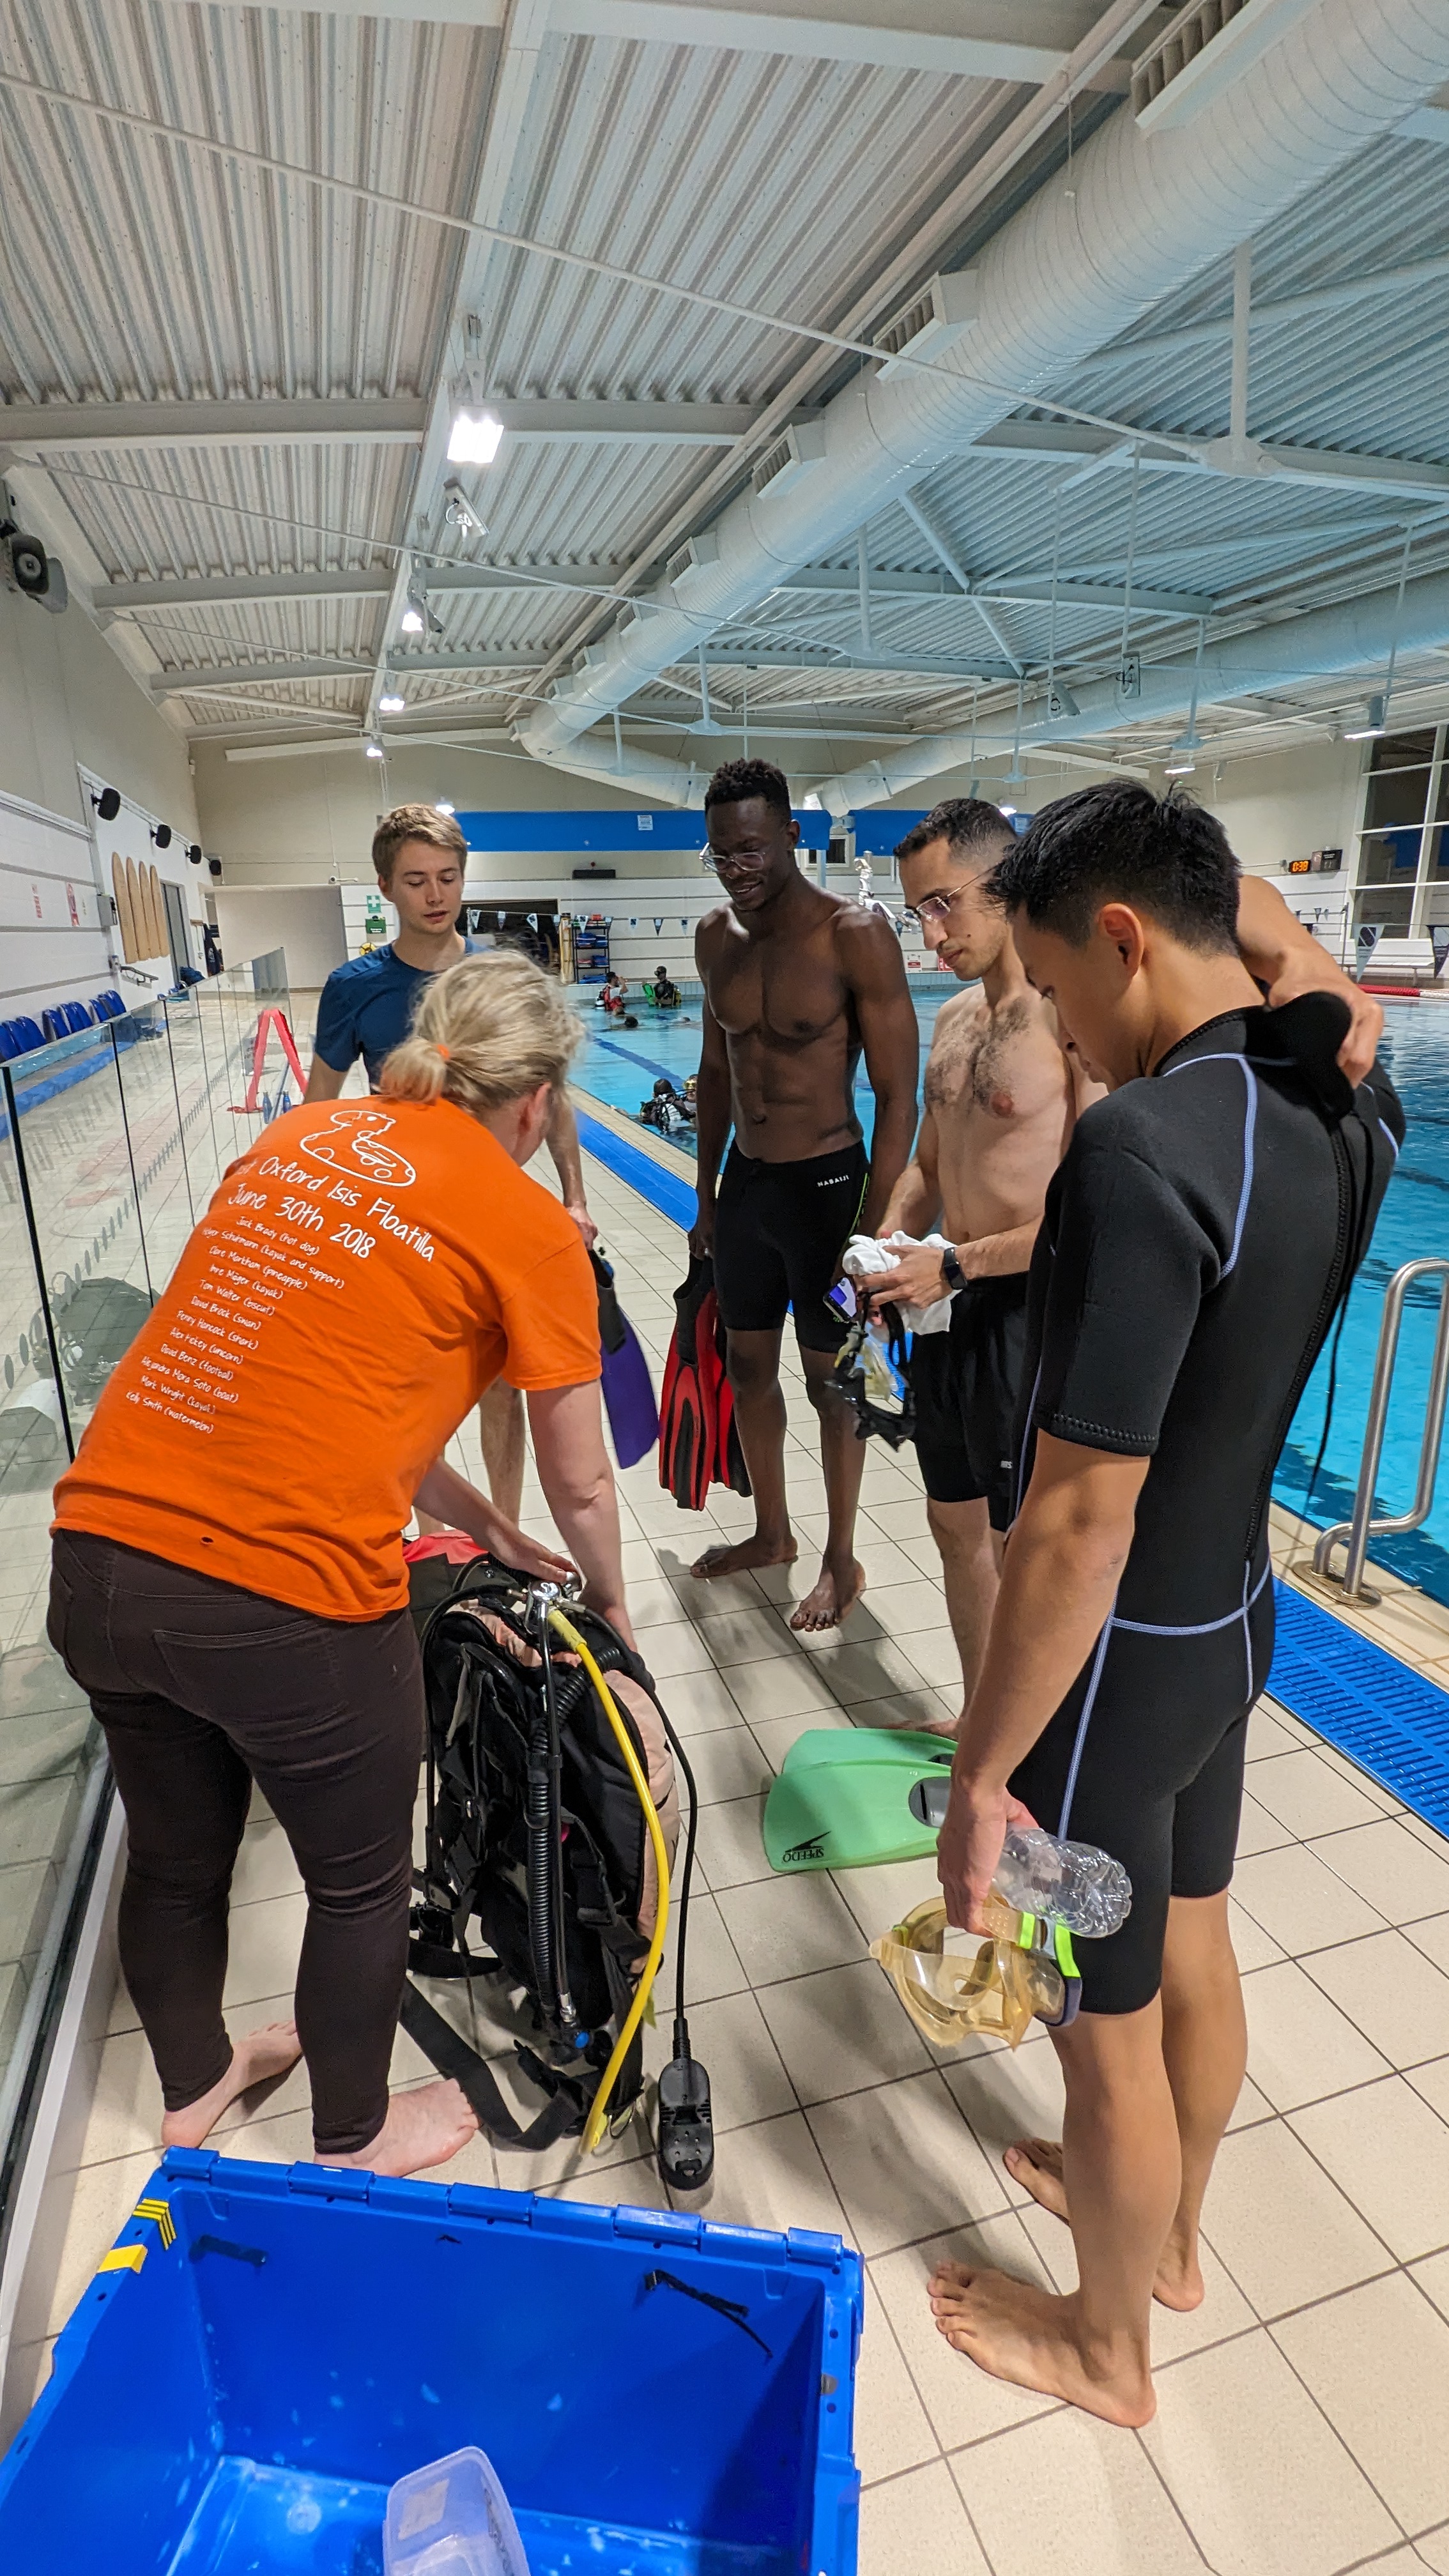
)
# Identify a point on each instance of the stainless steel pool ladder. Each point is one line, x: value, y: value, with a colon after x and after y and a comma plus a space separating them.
x: 1355, y: 1534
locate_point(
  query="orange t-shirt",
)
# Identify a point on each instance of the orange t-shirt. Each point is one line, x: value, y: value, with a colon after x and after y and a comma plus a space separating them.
x: 362, y: 1273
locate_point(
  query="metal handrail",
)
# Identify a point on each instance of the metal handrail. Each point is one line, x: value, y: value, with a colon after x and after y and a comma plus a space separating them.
x: 1355, y: 1534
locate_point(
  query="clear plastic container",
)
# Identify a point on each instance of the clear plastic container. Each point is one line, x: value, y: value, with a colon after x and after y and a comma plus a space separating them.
x: 451, y: 2518
x: 1063, y: 1882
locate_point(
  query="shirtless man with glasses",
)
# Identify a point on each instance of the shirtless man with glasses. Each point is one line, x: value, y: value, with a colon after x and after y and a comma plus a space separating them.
x: 797, y: 984
x: 1003, y: 1094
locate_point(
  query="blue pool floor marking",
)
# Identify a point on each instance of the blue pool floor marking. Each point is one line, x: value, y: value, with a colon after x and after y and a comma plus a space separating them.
x: 646, y: 1064
x: 1391, y: 1721
x: 664, y: 1190
x: 1388, y: 1719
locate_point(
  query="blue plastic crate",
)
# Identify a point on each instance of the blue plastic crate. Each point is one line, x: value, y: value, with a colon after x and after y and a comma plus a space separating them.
x: 266, y: 2351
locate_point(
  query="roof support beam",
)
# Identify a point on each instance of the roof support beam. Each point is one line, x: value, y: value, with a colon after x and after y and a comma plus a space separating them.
x: 210, y: 680
x: 980, y: 39
x: 214, y: 590
x: 751, y: 655
x: 203, y: 681
x: 937, y: 543
x: 211, y: 590
x: 824, y: 580
x: 524, y: 25
x: 629, y: 424
x: 1366, y: 288
x: 41, y: 428
x: 1062, y: 443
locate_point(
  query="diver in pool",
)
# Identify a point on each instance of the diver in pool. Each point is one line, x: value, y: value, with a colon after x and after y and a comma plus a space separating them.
x: 1203, y: 1226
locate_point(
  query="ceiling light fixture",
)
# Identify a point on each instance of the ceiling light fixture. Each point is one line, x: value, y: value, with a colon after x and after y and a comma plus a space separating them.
x: 414, y: 617
x: 459, y: 511
x: 443, y: 807
x: 392, y: 701
x: 1180, y: 762
x: 474, y: 436
x: 374, y: 748
x: 1373, y: 724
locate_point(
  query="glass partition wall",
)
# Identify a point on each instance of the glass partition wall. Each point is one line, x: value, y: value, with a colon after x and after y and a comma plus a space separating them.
x: 111, y: 1143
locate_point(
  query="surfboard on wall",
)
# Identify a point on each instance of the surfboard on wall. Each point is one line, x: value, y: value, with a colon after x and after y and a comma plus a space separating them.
x: 140, y: 929
x: 162, y: 945
x: 125, y: 915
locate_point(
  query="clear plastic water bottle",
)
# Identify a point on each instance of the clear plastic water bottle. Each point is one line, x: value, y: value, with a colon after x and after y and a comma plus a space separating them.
x: 1069, y: 1883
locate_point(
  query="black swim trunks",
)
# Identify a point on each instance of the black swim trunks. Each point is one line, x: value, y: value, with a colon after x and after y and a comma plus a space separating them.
x: 967, y: 1389
x: 1196, y: 1241
x: 779, y: 1232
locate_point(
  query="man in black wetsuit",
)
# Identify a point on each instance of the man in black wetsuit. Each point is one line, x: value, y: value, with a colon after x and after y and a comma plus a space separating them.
x: 1198, y: 1236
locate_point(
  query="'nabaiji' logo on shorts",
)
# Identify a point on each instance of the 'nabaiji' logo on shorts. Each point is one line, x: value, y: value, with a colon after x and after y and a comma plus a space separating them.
x: 351, y: 1142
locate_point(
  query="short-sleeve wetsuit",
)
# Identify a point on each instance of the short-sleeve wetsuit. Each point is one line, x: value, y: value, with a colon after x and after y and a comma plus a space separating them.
x: 1198, y: 1236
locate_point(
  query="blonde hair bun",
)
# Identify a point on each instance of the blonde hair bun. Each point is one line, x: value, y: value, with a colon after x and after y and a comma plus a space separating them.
x: 486, y: 1031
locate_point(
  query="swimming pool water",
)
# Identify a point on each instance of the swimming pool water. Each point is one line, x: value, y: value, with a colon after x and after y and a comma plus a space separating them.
x: 621, y: 1067
x: 1413, y: 1222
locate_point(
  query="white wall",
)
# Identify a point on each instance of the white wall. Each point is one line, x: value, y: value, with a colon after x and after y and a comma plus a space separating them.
x: 309, y: 820
x: 66, y: 702
x: 65, y: 698
x: 55, y: 941
x: 304, y: 921
x: 1288, y: 804
x: 128, y: 837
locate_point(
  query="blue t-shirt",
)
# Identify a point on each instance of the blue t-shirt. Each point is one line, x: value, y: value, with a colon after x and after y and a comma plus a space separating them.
x: 367, y: 1009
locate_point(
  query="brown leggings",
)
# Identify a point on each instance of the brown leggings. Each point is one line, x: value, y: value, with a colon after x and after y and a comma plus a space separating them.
x: 201, y: 1689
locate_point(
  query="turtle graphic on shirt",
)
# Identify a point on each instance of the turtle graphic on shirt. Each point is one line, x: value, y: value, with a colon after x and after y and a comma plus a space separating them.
x: 352, y: 1143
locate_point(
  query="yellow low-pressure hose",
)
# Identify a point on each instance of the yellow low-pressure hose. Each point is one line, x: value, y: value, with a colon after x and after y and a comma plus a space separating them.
x: 598, y: 2117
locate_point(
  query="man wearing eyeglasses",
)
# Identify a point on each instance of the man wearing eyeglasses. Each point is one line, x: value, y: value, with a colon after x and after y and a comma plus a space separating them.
x: 798, y: 983
x: 1003, y: 1093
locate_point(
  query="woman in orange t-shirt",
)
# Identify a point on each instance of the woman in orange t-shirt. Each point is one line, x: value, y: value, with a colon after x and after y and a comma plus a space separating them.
x: 228, y: 1582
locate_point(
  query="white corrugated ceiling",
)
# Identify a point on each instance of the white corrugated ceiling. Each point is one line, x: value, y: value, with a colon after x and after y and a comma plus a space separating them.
x: 139, y: 267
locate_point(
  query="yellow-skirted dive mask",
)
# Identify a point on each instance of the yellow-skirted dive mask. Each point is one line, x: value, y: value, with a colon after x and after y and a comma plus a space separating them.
x: 1022, y: 1971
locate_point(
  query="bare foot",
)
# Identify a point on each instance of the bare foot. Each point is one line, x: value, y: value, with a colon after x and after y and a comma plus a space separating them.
x: 257, y: 2059
x: 1036, y: 2163
x: 835, y: 1595
x: 424, y: 2126
x: 1028, y: 2336
x: 746, y: 1558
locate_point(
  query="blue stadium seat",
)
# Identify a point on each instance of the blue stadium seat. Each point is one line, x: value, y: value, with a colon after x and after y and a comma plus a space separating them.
x: 18, y: 1037
x: 66, y: 1019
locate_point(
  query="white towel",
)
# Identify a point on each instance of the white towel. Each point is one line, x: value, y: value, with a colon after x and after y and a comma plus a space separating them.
x: 865, y: 1258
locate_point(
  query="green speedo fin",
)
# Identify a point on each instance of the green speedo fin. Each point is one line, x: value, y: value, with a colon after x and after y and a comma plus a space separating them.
x: 849, y: 1796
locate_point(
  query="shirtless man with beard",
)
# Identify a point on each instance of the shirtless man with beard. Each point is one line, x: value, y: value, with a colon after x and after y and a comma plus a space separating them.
x: 1002, y: 1096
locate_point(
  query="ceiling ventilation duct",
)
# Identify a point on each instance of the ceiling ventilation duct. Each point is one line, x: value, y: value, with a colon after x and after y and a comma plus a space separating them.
x: 1355, y: 635
x: 1065, y: 275
x: 1208, y: 45
x: 795, y: 453
x: 931, y: 323
x: 689, y: 561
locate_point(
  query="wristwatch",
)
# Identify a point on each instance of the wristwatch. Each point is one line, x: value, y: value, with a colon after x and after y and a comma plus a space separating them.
x: 955, y: 1276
